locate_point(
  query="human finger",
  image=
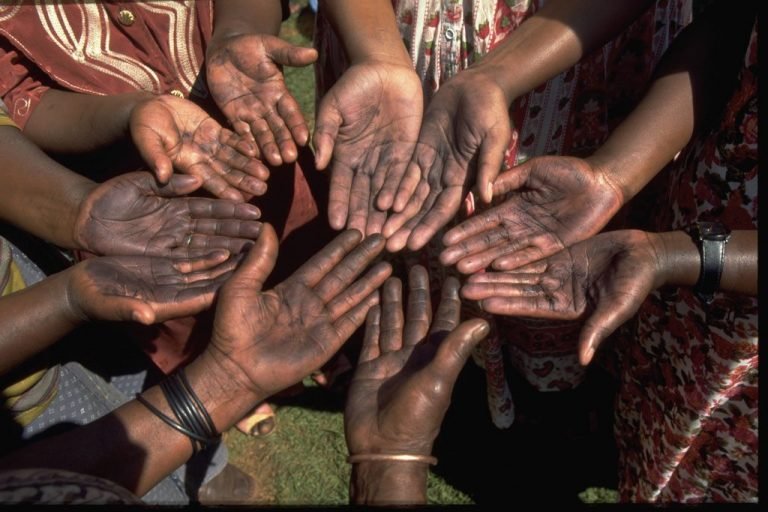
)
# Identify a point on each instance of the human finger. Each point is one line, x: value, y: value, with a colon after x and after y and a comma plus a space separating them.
x: 419, y: 316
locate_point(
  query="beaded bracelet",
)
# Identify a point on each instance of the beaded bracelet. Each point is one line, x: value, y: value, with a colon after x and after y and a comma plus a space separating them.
x: 395, y: 457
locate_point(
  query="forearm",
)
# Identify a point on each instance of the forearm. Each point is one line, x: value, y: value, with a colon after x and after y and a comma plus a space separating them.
x: 131, y: 446
x: 68, y: 122
x: 33, y: 319
x: 367, y: 30
x: 37, y: 194
x: 650, y: 137
x: 689, y: 88
x: 682, y: 262
x: 555, y: 38
x: 234, y: 17
x: 388, y: 483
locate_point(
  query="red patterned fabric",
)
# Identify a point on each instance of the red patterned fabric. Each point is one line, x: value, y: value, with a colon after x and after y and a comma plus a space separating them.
x: 687, y: 411
x: 88, y: 47
x: 572, y: 114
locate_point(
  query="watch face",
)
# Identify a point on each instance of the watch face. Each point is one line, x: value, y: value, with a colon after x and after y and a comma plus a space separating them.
x: 713, y: 231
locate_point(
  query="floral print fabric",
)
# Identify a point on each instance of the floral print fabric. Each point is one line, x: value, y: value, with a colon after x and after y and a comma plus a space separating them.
x: 687, y: 417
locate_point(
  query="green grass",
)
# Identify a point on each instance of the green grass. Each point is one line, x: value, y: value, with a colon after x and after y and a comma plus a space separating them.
x: 599, y: 495
x: 303, y: 462
x: 301, y: 81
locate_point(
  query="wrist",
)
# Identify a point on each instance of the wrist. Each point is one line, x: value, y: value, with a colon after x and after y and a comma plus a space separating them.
x: 497, y: 73
x: 678, y: 256
x: 73, y: 312
x: 387, y: 56
x: 604, y: 166
x: 80, y: 218
x: 389, y: 483
x: 129, y: 105
x: 222, y: 390
x: 223, y: 35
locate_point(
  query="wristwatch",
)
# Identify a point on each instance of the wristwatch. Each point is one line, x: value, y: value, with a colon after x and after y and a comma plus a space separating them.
x: 711, y: 238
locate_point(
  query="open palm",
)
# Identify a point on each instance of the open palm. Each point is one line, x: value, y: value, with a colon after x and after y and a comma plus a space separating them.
x: 606, y: 277
x: 553, y: 202
x: 174, y: 133
x: 367, y: 126
x: 462, y: 141
x: 146, y: 289
x: 402, y: 386
x: 277, y: 337
x: 246, y: 80
x: 132, y: 215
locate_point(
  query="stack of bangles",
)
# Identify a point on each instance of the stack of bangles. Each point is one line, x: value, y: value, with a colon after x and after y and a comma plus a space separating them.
x: 194, y: 420
x: 393, y: 457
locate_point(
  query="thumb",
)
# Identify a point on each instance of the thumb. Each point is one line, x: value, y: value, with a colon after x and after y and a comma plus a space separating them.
x: 129, y: 309
x: 152, y: 150
x: 512, y: 179
x: 286, y: 54
x: 489, y: 164
x: 178, y: 185
x: 153, y: 143
x: 457, y: 346
x: 326, y: 130
x: 259, y: 262
x: 162, y: 167
x: 601, y: 324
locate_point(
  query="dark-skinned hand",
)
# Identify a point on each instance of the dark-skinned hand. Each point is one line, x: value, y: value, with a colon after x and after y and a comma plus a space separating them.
x: 246, y: 80
x: 605, y: 278
x: 408, y: 365
x: 367, y: 126
x: 146, y: 289
x: 273, y: 339
x: 131, y: 215
x: 556, y: 202
x: 464, y: 135
x: 174, y: 133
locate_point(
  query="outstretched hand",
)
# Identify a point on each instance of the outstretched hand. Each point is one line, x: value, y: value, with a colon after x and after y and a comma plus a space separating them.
x: 172, y: 132
x: 132, y: 215
x: 146, y: 289
x: 246, y: 80
x: 273, y: 339
x: 555, y: 202
x: 607, y: 277
x: 408, y: 365
x: 367, y: 126
x: 461, y: 145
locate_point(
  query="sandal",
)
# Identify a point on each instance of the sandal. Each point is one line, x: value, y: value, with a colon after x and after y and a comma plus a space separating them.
x: 261, y: 421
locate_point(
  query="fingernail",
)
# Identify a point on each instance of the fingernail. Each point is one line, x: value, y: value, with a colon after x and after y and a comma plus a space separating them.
x: 588, y: 355
x: 489, y: 191
x: 481, y: 330
x: 138, y: 317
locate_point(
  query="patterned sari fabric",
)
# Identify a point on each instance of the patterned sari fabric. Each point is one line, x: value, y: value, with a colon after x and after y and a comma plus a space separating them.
x: 686, y: 417
x: 571, y: 114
